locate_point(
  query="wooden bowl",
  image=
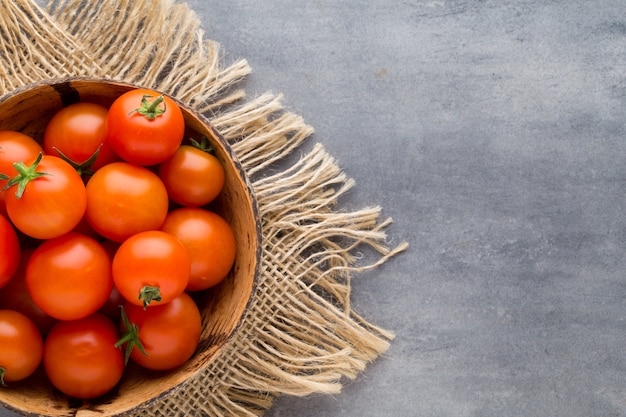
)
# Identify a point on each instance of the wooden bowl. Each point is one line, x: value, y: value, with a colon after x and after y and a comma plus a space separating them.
x: 28, y: 110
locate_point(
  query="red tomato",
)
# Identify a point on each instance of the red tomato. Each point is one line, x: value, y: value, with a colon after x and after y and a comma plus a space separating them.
x: 151, y: 268
x: 69, y: 277
x: 22, y: 346
x: 11, y: 250
x: 145, y: 127
x: 209, y: 240
x: 15, y: 147
x: 80, y: 357
x: 15, y: 296
x: 124, y: 199
x: 169, y: 333
x: 192, y: 176
x: 78, y: 131
x: 53, y: 200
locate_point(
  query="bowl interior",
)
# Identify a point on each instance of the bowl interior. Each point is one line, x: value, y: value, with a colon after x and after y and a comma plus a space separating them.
x: 28, y: 110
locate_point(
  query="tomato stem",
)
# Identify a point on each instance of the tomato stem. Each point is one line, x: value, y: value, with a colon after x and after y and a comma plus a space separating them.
x: 83, y: 168
x: 3, y: 372
x: 130, y: 337
x: 149, y: 294
x: 204, y: 145
x: 24, y: 176
x: 151, y: 109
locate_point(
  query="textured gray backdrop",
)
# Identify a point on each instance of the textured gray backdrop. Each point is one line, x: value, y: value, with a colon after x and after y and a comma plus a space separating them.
x: 493, y: 133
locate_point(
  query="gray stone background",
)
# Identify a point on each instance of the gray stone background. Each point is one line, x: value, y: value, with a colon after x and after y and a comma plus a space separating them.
x: 492, y: 132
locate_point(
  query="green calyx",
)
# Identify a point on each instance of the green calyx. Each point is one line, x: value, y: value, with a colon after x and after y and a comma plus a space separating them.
x: 130, y: 337
x: 148, y: 294
x: 151, y: 109
x: 3, y: 372
x: 24, y: 176
x: 83, y: 168
x: 204, y: 145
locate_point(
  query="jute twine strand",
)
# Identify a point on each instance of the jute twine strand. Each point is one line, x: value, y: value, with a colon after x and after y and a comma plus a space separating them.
x: 301, y: 335
x: 152, y: 44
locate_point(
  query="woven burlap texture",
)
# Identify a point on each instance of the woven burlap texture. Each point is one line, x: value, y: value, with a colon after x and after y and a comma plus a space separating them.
x: 301, y: 335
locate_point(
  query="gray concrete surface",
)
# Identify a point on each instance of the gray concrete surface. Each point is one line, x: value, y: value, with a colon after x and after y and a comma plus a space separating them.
x: 492, y: 132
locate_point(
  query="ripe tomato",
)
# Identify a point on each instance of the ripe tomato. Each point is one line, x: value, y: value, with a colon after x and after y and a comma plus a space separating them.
x: 15, y: 296
x: 69, y: 277
x: 124, y: 199
x: 11, y: 250
x: 15, y: 147
x: 145, y: 127
x: 78, y: 131
x: 169, y: 333
x: 193, y: 177
x: 47, y: 199
x: 80, y: 357
x: 209, y: 240
x: 22, y: 346
x: 151, y: 268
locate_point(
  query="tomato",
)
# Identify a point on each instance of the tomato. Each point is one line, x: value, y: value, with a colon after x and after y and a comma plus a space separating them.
x: 15, y: 147
x: 15, y: 296
x: 22, y: 346
x: 69, y: 277
x: 169, y: 333
x: 151, y: 268
x: 193, y: 177
x: 145, y: 127
x: 11, y: 250
x: 124, y: 199
x: 80, y: 357
x: 210, y: 241
x: 47, y: 199
x: 78, y: 131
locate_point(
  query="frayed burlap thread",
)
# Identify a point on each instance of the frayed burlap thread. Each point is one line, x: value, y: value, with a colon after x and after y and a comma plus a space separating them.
x: 301, y: 335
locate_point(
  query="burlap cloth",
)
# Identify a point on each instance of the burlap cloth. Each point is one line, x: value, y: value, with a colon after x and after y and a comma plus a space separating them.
x: 301, y: 335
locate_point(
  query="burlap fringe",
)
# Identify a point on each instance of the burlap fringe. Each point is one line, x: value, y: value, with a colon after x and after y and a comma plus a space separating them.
x: 301, y: 335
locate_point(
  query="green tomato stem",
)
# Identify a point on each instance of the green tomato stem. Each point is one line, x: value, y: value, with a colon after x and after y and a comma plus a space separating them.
x: 83, y: 168
x: 149, y: 294
x: 24, y: 176
x: 130, y: 337
x: 151, y: 109
x: 3, y: 372
x: 204, y: 145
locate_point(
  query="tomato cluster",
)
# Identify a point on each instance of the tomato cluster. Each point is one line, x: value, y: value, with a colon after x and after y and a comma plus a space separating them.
x: 106, y: 233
